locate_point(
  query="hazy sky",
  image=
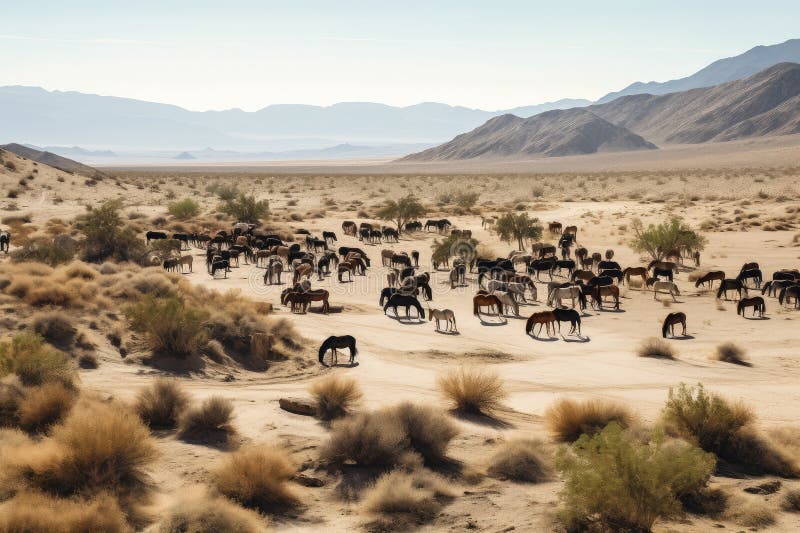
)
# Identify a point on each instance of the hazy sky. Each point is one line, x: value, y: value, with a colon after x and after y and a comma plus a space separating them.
x: 494, y: 54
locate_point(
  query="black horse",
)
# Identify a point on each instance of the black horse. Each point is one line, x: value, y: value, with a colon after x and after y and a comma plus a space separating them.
x: 612, y: 273
x: 344, y: 250
x: 154, y: 235
x: 568, y: 264
x: 5, y: 241
x: 753, y: 273
x: 415, y: 257
x: 568, y: 315
x: 608, y: 265
x: 220, y: 264
x: 547, y: 264
x: 329, y: 236
x: 793, y: 291
x: 334, y: 343
x: 400, y: 300
x: 390, y: 235
x: 665, y: 272
x: 600, y: 281
x: 731, y: 285
x: 413, y: 226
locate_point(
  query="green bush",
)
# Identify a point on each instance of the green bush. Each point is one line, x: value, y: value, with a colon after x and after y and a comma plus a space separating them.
x: 518, y: 227
x: 246, y: 208
x: 33, y: 361
x: 627, y: 484
x: 42, y: 251
x: 659, y: 240
x: 106, y: 237
x: 184, y: 209
x: 168, y: 325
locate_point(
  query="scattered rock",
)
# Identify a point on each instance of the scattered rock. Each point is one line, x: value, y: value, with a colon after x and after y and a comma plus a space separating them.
x: 298, y: 406
x: 308, y: 481
x: 770, y: 487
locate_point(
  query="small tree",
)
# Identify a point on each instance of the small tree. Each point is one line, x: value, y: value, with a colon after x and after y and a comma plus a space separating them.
x: 401, y: 211
x: 518, y: 227
x: 184, y: 209
x: 105, y: 235
x: 245, y: 208
x: 453, y: 246
x: 659, y: 240
x: 467, y: 200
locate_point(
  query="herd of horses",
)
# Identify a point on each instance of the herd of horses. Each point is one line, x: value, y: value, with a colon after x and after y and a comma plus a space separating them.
x: 503, y: 283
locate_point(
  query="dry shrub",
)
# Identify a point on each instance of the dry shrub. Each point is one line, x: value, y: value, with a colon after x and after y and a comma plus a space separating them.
x: 729, y: 352
x: 200, y: 512
x: 79, y: 269
x: 335, y: 396
x: 473, y: 390
x: 209, y: 422
x: 30, y: 512
x: 161, y: 404
x: 88, y: 361
x: 33, y: 361
x: 407, y: 498
x: 521, y: 460
x: 11, y: 396
x: 655, y: 347
x: 257, y: 477
x: 56, y: 327
x: 402, y: 434
x: 753, y: 515
x: 725, y: 429
x: 45, y: 406
x: 567, y: 419
x: 791, y: 501
x: 617, y: 482
x: 100, y: 448
x: 168, y: 326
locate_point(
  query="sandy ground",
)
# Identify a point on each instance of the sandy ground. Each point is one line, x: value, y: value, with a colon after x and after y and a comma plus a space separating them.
x: 400, y: 360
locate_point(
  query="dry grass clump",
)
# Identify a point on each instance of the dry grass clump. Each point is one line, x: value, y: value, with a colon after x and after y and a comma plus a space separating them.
x: 168, y: 326
x: 34, y: 362
x: 655, y: 347
x: 725, y: 429
x: 568, y: 419
x: 258, y: 477
x: 402, y: 434
x: 56, y: 327
x: 201, y: 512
x: 209, y: 422
x: 407, y: 498
x: 11, y: 395
x: 521, y: 460
x: 30, y: 512
x: 754, y: 515
x: 45, y: 406
x: 791, y: 501
x: 729, y: 352
x: 473, y: 390
x: 162, y: 404
x: 335, y: 396
x: 615, y: 482
x: 79, y: 269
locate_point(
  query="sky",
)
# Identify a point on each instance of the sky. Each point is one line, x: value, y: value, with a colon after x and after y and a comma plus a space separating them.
x: 490, y: 55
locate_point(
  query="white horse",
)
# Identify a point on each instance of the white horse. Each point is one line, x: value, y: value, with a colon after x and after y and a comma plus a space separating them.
x: 443, y: 314
x: 558, y: 295
x: 665, y: 287
x: 507, y: 299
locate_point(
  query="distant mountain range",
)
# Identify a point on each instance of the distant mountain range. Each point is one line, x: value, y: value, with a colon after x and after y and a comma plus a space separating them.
x: 766, y: 103
x: 91, y: 127
x: 50, y: 159
x: 720, y: 71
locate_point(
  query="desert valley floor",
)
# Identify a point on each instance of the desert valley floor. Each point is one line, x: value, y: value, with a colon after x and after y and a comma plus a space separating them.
x: 746, y: 215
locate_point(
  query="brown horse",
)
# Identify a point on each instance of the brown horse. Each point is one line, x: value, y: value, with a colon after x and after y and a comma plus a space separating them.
x: 302, y: 299
x: 635, y: 271
x: 597, y: 292
x: 555, y: 227
x: 303, y: 269
x: 583, y: 275
x: 756, y: 302
x: 485, y: 300
x: 543, y: 318
x: 571, y: 230
x: 345, y: 266
x: 670, y: 322
x: 710, y: 278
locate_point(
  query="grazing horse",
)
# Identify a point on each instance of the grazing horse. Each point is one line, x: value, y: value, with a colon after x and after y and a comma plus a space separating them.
x: 302, y: 270
x: 731, y: 285
x: 329, y: 236
x: 486, y: 300
x: 571, y: 230
x: 614, y: 273
x: 154, y: 235
x: 220, y: 264
x: 274, y: 271
x: 793, y: 291
x: 583, y: 275
x: 5, y: 241
x: 555, y: 227
x: 345, y: 266
x: 784, y: 275
x: 665, y: 272
x: 568, y: 315
x: 443, y: 314
x: 751, y: 273
x: 670, y: 321
x: 662, y: 265
x: 186, y: 260
x: 597, y: 293
x: 542, y: 265
x: 305, y: 297
x: 542, y: 318
x: 401, y: 300
x: 773, y: 288
x: 666, y: 287
x: 170, y: 265
x: 710, y: 278
x: 507, y: 300
x: 756, y: 302
x: 334, y: 343
x: 568, y: 264
x: 749, y: 266
x: 635, y: 271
